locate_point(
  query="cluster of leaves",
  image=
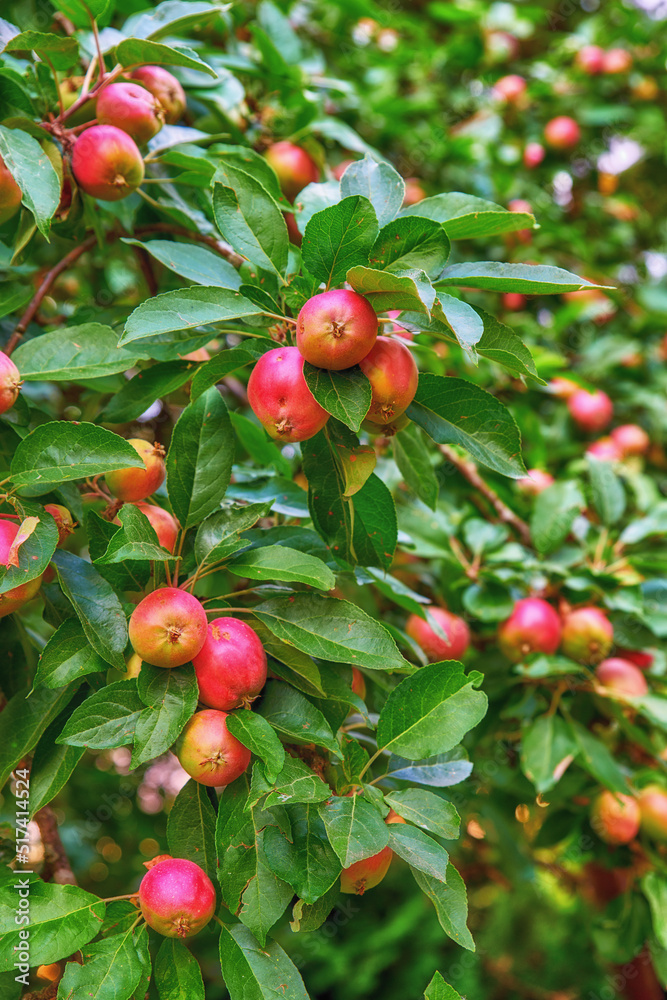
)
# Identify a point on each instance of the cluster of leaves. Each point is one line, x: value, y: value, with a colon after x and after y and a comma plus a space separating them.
x: 207, y: 263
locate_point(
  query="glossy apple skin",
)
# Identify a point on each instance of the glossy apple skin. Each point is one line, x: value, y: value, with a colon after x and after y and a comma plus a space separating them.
x: 294, y: 167
x: 164, y: 86
x: 631, y: 439
x: 131, y: 108
x: 615, y: 817
x: 616, y: 61
x: 562, y: 133
x: 621, y: 677
x: 393, y: 374
x: 231, y: 665
x: 592, y: 411
x: 435, y: 647
x: 535, y: 482
x: 336, y: 329
x: 64, y: 521
x: 280, y: 398
x: 414, y: 192
x: 366, y: 874
x: 168, y: 627
x: 640, y: 658
x: 163, y: 523
x: 10, y: 383
x: 653, y: 809
x: 106, y: 163
x: 563, y: 388
x: 15, y: 598
x: 358, y: 683
x: 208, y: 751
x: 588, y: 635
x: 134, y: 483
x: 10, y: 194
x: 177, y: 898
x: 533, y: 627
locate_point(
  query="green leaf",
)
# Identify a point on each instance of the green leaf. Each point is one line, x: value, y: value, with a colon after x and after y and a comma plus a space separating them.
x: 73, y: 353
x: 546, y: 744
x: 295, y: 783
x: 213, y: 371
x: 438, y: 989
x: 67, y: 656
x: 531, y: 279
x: 249, y: 219
x: 607, y: 490
x: 191, y: 828
x: 354, y: 827
x: 63, y: 918
x: 136, y: 540
x: 464, y: 217
x: 413, y: 460
x: 597, y: 760
x: 185, y: 309
x: 307, y: 863
x: 310, y: 916
x: 33, y: 172
x: 111, y: 969
x: 60, y: 452
x: 255, y: 733
x: 170, y: 17
x: 279, y: 562
x: 294, y: 717
x: 171, y: 698
x: 331, y: 630
x: 139, y: 52
x: 429, y: 712
x: 192, y: 262
x: 177, y: 973
x: 379, y: 183
x: 346, y: 394
x: 553, y: 515
x: 199, y: 461
x: 439, y: 771
x: 450, y: 903
x: 233, y: 159
x: 453, y: 411
x: 258, y: 444
x: 462, y: 320
x: 419, y: 850
x: 253, y: 972
x: 654, y: 885
x: 106, y: 719
x: 96, y: 605
x: 411, y: 244
x: 409, y: 289
x: 24, y: 719
x: 80, y: 12
x: 427, y: 810
x: 501, y: 344
x: 220, y: 534
x: 52, y: 765
x: 338, y: 238
x: 144, y: 388
x: 61, y: 51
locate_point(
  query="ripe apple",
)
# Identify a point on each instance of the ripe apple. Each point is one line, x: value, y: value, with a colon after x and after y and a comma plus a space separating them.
x: 605, y: 450
x: 590, y: 59
x: 336, y: 329
x: 631, y: 439
x: 562, y: 133
x: 617, y: 61
x: 615, y: 817
x: 393, y: 374
x: 535, y: 482
x: 509, y: 89
x: 533, y: 627
x: 231, y: 665
x: 10, y: 194
x: 163, y: 523
x: 15, y: 598
x: 533, y: 155
x: 138, y: 484
x: 294, y: 167
x: 435, y: 647
x: 588, y: 635
x: 208, y: 751
x: 176, y: 898
x: 131, y: 108
x: 592, y: 411
x: 164, y: 86
x: 621, y: 677
x: 280, y: 398
x: 106, y: 163
x: 168, y: 627
x: 653, y: 809
x: 366, y: 874
x: 10, y: 382
x: 64, y: 521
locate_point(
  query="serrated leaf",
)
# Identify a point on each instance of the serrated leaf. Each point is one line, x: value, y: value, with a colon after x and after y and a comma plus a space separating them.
x: 192, y: 262
x: 255, y: 733
x: 429, y: 712
x: 419, y: 850
x: 177, y: 973
x: 407, y: 289
x: 464, y: 216
x: 378, y: 182
x: 294, y: 717
x: 33, y: 172
x: 140, y: 51
x: 24, y: 719
x: 553, y: 515
x: 171, y: 698
x: 450, y: 903
x: 185, y: 309
x: 191, y: 828
x: 67, y: 656
x: 307, y: 863
x: 354, y: 827
x: 253, y: 972
x: 106, y: 719
x: 499, y: 343
x: 346, y: 394
x: 453, y: 411
x: 249, y: 219
x: 61, y: 51
x: 213, y: 371
x: 427, y: 810
x: 96, y: 605
x: 411, y: 244
x: 73, y: 352
x: 144, y: 388
x: 413, y: 460
x: 545, y: 746
x: 338, y: 238
x: 279, y: 562
x: 530, y: 279
x: 219, y: 535
x: 607, y: 490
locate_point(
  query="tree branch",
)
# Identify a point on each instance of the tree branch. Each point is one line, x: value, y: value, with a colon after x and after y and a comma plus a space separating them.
x: 56, y: 863
x: 469, y: 471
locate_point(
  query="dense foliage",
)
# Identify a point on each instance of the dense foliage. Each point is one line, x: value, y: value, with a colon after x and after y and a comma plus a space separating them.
x: 293, y: 297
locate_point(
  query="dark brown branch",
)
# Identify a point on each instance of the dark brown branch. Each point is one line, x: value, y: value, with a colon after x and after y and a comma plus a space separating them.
x: 56, y: 863
x: 469, y: 471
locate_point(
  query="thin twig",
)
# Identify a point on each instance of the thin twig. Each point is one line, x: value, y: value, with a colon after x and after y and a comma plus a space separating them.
x: 469, y: 471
